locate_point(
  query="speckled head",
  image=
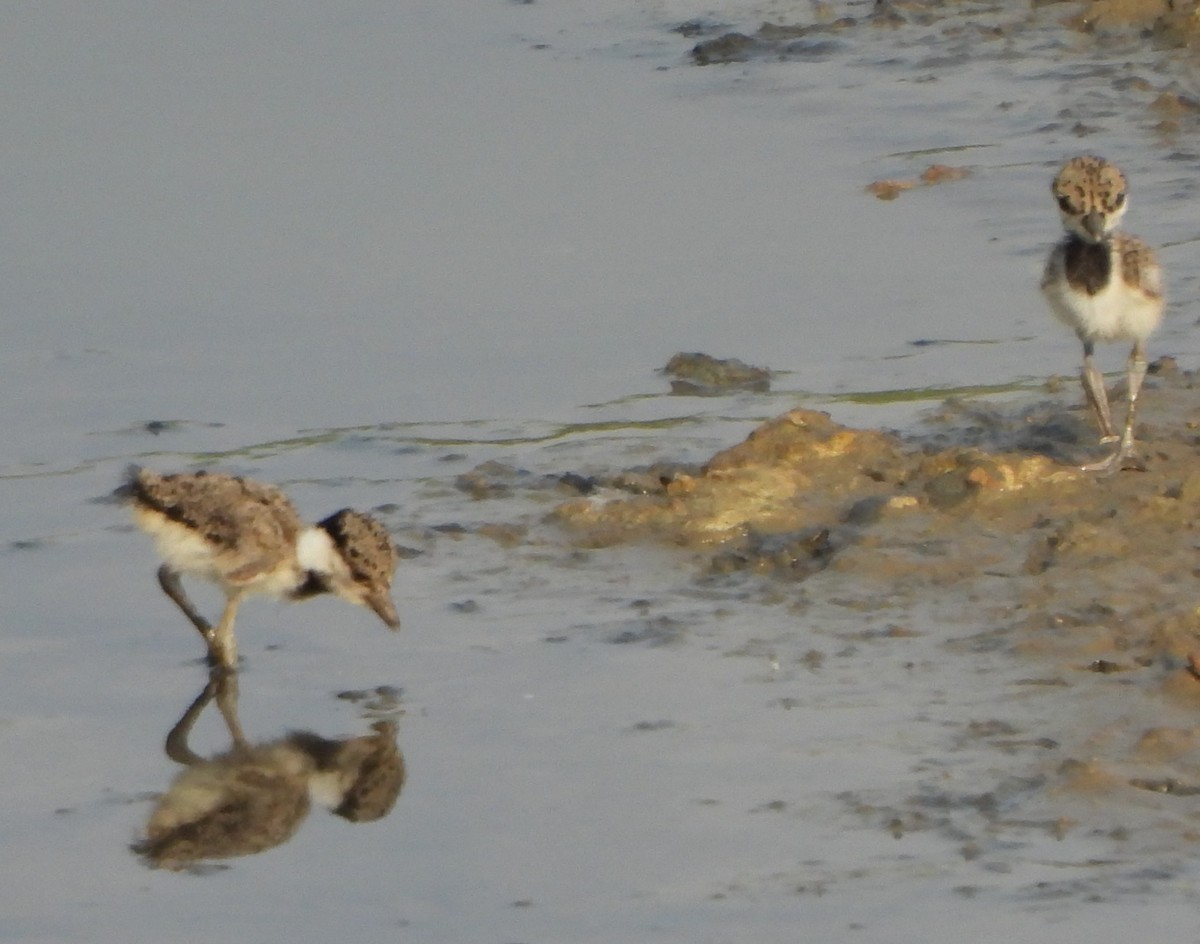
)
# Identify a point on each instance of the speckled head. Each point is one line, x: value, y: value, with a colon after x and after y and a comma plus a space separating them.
x: 366, y: 549
x: 1092, y: 197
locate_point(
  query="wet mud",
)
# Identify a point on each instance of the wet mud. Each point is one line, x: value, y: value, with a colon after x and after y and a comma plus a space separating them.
x: 982, y: 506
x: 1167, y: 24
x: 1140, y: 48
x: 963, y: 575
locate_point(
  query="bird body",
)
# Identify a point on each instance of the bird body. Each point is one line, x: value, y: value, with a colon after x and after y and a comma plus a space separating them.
x: 231, y: 531
x: 246, y: 537
x: 1105, y: 291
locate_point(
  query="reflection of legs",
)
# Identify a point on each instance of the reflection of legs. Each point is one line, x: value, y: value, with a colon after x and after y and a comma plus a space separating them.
x: 222, y: 684
x: 227, y: 699
x: 177, y: 740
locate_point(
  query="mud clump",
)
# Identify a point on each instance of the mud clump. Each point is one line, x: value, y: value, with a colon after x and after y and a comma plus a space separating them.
x: 792, y: 473
x: 813, y: 42
x: 704, y: 375
x: 793, y: 556
x: 1098, y: 569
x: 798, y: 472
x: 932, y: 175
x: 732, y: 47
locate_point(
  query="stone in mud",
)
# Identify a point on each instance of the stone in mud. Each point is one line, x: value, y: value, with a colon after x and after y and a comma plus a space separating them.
x: 732, y: 47
x: 489, y: 480
x: 867, y: 511
x: 698, y: 27
x: 155, y: 427
x: 1088, y: 777
x: 657, y: 631
x: 793, y: 556
x: 1167, y: 785
x: 1174, y: 105
x: 651, y: 480
x: 809, y: 443
x: 1158, y: 745
x: 951, y: 487
x: 1118, y: 14
x: 889, y: 189
x: 1170, y: 23
x: 506, y: 535
x: 574, y: 482
x: 702, y: 374
x: 784, y: 32
x: 943, y: 173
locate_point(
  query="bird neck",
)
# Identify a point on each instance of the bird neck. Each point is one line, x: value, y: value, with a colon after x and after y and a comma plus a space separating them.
x: 315, y: 561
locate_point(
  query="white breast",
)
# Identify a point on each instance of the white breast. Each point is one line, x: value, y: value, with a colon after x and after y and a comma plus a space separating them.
x: 1116, y: 312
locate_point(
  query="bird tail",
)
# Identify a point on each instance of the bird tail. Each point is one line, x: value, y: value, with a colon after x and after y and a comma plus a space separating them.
x: 128, y: 490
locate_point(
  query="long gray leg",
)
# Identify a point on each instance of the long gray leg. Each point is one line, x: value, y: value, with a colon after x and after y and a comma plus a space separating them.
x: 222, y: 645
x: 172, y: 587
x: 1137, y: 368
x: 1097, y: 396
x: 1136, y: 373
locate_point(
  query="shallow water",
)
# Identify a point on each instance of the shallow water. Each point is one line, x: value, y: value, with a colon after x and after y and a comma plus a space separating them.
x: 360, y: 252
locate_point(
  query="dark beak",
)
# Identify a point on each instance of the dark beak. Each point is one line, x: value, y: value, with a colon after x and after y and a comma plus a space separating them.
x: 384, y: 608
x: 1094, y: 224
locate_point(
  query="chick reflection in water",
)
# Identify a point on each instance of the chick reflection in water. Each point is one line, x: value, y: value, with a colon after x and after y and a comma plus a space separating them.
x: 254, y: 797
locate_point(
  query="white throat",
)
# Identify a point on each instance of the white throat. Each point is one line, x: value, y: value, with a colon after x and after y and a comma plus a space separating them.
x: 315, y: 551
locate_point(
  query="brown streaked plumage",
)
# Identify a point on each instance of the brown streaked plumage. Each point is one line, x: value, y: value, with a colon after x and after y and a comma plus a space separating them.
x: 1105, y: 285
x: 246, y: 537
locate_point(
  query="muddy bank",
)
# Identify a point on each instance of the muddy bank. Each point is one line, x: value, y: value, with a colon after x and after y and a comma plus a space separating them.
x: 969, y: 461
x: 826, y: 34
x: 984, y: 504
x: 1142, y: 44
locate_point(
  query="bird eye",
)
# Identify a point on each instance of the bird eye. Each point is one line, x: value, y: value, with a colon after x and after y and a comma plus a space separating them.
x: 1064, y: 203
x: 1120, y: 199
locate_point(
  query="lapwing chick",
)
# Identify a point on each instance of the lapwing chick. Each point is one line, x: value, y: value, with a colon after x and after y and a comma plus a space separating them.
x: 1105, y: 285
x: 246, y: 537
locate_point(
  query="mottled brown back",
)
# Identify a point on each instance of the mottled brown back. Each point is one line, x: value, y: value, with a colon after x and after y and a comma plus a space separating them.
x: 231, y: 512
